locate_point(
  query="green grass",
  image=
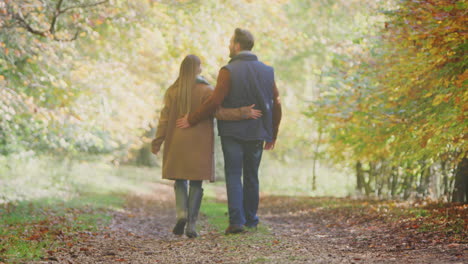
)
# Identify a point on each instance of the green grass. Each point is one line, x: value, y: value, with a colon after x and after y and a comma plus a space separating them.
x: 295, y: 178
x: 217, y: 212
x: 34, y: 178
x: 217, y: 216
x: 41, y: 199
x: 28, y: 228
x: 73, y: 196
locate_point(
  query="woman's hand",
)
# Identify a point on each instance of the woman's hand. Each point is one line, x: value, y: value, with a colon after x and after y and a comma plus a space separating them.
x: 254, y: 113
x: 154, y: 148
x: 183, y: 122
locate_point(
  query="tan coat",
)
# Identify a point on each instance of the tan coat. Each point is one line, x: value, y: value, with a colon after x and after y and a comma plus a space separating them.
x: 188, y: 154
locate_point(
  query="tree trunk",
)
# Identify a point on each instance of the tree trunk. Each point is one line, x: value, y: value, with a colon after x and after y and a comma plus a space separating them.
x: 371, y: 179
x: 408, y: 182
x: 359, y: 177
x: 445, y: 178
x: 423, y: 178
x: 460, y: 190
x: 394, y: 182
x: 382, y: 176
x: 314, y: 168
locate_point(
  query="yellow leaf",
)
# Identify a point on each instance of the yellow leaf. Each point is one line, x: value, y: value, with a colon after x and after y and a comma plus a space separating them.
x: 438, y: 99
x: 99, y: 21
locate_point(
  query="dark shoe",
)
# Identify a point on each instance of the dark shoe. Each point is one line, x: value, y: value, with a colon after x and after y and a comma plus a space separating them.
x: 194, y: 202
x: 179, y: 227
x: 234, y: 229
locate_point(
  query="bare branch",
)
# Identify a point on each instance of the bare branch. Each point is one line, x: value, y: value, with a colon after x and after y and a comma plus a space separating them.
x: 22, y: 20
x: 56, y: 15
x: 19, y: 17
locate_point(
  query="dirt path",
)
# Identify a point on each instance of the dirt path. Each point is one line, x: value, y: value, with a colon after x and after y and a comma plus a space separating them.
x: 142, y: 234
x: 356, y: 239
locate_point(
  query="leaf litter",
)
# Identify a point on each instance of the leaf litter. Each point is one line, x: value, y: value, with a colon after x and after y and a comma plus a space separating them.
x: 300, y: 230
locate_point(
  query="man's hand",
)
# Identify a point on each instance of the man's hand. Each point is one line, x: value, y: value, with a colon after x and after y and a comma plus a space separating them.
x: 183, y: 122
x: 254, y: 113
x: 270, y: 145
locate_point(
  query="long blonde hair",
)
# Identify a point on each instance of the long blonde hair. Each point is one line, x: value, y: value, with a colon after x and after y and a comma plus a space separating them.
x: 187, y: 76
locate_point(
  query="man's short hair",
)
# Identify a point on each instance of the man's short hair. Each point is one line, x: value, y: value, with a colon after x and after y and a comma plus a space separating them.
x: 244, y: 38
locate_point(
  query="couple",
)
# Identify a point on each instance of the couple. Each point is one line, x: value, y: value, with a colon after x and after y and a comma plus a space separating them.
x: 246, y: 103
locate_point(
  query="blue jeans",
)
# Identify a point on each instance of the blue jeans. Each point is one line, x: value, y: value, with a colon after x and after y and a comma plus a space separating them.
x: 242, y: 158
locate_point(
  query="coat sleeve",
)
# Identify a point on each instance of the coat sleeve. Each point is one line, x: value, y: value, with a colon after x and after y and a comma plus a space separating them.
x: 162, y: 125
x: 221, y: 113
x: 212, y: 102
x: 277, y: 112
x: 240, y: 113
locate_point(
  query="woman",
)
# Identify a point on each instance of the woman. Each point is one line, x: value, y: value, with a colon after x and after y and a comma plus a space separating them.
x: 189, y: 153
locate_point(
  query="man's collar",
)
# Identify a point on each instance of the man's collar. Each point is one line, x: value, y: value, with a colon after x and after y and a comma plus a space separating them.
x: 245, y: 52
x: 244, y: 55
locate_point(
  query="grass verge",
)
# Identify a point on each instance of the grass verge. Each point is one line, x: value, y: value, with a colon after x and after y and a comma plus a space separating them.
x: 217, y: 216
x: 47, y: 204
x: 29, y: 230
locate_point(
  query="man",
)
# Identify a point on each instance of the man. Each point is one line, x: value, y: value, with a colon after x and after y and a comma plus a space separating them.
x: 244, y: 81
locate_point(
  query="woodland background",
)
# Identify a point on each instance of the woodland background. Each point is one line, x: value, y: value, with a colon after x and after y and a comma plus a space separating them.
x: 374, y: 92
x: 375, y: 107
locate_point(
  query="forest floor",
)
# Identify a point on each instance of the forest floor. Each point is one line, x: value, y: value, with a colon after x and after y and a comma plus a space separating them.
x: 292, y: 230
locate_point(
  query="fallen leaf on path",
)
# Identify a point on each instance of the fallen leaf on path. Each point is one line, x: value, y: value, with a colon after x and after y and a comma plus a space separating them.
x: 453, y: 245
x: 34, y: 237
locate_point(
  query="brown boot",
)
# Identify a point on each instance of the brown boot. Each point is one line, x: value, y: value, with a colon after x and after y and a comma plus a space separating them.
x: 234, y: 229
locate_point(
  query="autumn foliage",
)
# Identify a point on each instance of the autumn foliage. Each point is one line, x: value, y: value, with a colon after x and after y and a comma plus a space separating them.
x: 387, y: 80
x: 402, y: 115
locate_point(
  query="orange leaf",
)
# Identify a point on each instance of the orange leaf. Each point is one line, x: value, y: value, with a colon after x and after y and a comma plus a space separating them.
x: 34, y: 237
